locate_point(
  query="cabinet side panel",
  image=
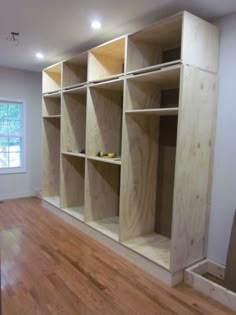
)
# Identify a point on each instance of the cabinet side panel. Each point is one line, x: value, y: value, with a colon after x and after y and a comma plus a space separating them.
x: 200, y: 43
x: 138, y: 177
x: 198, y: 102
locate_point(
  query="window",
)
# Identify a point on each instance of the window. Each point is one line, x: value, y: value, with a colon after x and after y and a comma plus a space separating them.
x: 12, y: 137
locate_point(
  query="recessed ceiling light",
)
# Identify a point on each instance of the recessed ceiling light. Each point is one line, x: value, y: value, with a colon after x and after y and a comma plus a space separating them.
x: 96, y: 25
x: 39, y: 55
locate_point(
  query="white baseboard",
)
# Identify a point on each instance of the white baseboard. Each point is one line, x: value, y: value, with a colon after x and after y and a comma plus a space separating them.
x: 15, y: 195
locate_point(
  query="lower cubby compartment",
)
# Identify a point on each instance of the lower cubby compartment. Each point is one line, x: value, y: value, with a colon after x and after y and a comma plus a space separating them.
x: 51, y: 164
x: 153, y: 246
x: 147, y: 188
x: 102, y: 197
x: 72, y: 185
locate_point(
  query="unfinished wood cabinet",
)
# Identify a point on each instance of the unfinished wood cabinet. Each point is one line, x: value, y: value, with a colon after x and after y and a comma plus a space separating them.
x: 150, y: 98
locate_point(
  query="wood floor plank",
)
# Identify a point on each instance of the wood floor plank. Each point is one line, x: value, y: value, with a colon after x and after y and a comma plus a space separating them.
x: 48, y: 267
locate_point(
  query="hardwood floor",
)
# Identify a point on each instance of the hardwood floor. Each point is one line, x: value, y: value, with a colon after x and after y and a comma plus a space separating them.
x: 49, y: 267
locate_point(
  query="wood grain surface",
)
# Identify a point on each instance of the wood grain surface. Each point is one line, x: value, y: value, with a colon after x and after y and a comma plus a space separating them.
x: 50, y: 268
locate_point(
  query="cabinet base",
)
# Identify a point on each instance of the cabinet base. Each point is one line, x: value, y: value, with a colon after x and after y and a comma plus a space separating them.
x: 151, y: 268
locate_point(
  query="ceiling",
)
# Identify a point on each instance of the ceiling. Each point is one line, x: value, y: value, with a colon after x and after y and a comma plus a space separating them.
x: 60, y: 28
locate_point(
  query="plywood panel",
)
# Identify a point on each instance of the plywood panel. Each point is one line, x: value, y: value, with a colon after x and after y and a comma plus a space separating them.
x: 102, y: 190
x: 138, y: 178
x: 72, y: 181
x: 51, y: 160
x: 200, y: 43
x: 198, y: 101
x: 73, y: 121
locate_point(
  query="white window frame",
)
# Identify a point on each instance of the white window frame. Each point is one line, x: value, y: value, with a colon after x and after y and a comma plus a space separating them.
x: 22, y: 168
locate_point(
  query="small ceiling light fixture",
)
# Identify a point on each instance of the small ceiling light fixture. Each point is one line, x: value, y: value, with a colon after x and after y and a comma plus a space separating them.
x: 96, y: 25
x: 39, y: 55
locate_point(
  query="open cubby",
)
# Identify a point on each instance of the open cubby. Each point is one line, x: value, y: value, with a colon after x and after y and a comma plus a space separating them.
x: 106, y: 61
x: 155, y: 90
x: 52, y: 105
x: 75, y: 71
x: 72, y: 185
x: 102, y: 197
x: 51, y: 165
x: 105, y: 105
x: 52, y: 78
x: 73, y: 120
x: 148, y: 185
x: 160, y: 43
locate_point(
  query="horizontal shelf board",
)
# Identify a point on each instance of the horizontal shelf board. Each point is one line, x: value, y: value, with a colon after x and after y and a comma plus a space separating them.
x: 108, y: 226
x: 76, y: 212
x: 153, y: 246
x: 114, y: 85
x: 157, y: 112
x: 79, y: 88
x: 106, y: 159
x: 52, y: 94
x: 81, y: 155
x: 51, y: 116
x: 54, y: 200
x: 118, y: 76
x: 155, y: 67
x: 165, y: 77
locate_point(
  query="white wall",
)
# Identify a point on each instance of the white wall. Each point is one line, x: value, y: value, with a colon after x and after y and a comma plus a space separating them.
x: 24, y: 85
x: 224, y: 174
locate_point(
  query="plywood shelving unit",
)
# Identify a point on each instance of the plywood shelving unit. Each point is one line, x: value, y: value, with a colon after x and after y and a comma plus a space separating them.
x: 150, y: 97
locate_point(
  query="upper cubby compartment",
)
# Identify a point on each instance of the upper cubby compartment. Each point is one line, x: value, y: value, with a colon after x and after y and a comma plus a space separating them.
x: 153, y: 92
x: 107, y: 61
x: 181, y: 38
x: 155, y: 45
x: 75, y: 71
x: 52, y: 105
x: 52, y: 78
